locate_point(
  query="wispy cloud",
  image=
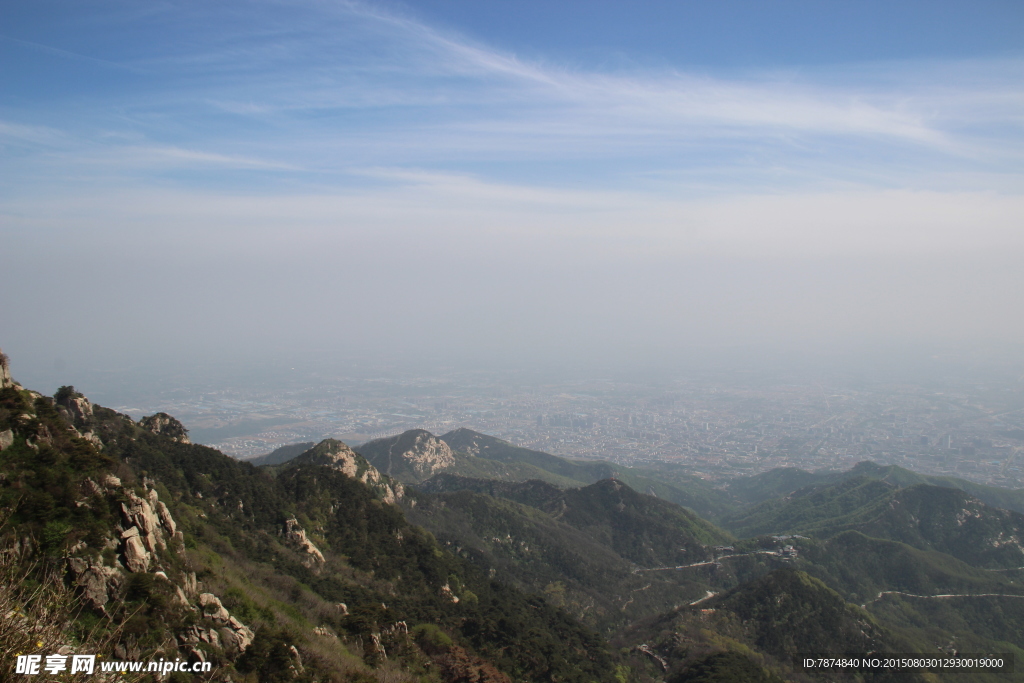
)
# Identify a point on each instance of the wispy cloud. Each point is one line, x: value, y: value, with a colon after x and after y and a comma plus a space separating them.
x: 315, y: 91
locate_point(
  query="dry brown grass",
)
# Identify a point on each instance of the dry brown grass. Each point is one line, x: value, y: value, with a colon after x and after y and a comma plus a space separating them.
x: 37, y: 612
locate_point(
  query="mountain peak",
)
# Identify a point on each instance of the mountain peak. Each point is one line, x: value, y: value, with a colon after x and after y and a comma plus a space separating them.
x: 468, y: 441
x: 164, y: 424
x: 413, y: 455
x: 336, y: 455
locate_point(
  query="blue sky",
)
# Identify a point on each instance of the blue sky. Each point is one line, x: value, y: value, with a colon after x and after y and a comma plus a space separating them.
x: 509, y: 178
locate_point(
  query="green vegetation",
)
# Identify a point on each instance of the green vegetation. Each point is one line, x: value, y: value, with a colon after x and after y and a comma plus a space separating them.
x: 725, y: 667
x: 307, y: 571
x: 486, y: 457
x: 923, y: 516
x: 784, y: 481
x: 283, y: 454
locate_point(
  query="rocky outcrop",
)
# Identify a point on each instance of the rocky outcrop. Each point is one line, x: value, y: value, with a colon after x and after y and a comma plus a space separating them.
x: 447, y: 594
x: 213, y: 608
x: 74, y: 408
x: 98, y: 583
x: 338, y: 456
x: 79, y: 408
x: 147, y: 525
x: 295, y: 535
x: 165, y: 518
x: 164, y: 424
x: 412, y: 456
x: 146, y: 522
x: 426, y: 454
x: 136, y: 557
x: 6, y: 439
x: 5, y: 370
x: 234, y: 636
x: 141, y: 520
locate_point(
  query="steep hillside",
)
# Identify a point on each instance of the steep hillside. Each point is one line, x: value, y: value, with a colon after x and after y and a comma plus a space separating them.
x: 784, y: 481
x: 814, y: 509
x: 411, y: 456
x: 861, y: 568
x: 178, y: 550
x: 544, y: 556
x: 325, y: 568
x: 763, y: 624
x: 690, y: 492
x: 926, y: 517
x: 642, y: 529
x: 417, y: 455
x: 776, y: 483
x: 283, y: 454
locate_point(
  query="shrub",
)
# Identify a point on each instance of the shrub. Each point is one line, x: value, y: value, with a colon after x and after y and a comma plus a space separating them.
x: 37, y: 617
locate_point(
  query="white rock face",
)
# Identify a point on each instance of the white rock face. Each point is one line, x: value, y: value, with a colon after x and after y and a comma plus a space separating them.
x: 139, y: 512
x: 136, y: 557
x: 233, y: 634
x: 162, y: 423
x: 340, y: 457
x: 236, y: 636
x: 336, y: 455
x: 165, y: 518
x: 146, y: 522
x: 213, y: 608
x: 93, y: 439
x: 296, y: 536
x: 80, y: 407
x: 428, y: 455
x: 6, y: 439
x: 97, y: 581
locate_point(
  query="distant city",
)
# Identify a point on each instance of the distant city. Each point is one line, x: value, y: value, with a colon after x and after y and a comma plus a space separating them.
x: 714, y: 430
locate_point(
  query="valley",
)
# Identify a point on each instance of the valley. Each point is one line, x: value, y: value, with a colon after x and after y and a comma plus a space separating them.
x: 463, y: 557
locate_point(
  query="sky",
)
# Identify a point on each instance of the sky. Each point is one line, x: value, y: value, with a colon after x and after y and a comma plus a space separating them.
x: 530, y: 183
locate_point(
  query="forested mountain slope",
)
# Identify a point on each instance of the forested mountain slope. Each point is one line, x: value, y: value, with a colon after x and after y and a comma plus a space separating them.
x: 926, y: 517
x: 325, y: 568
x: 178, y: 550
x: 416, y: 455
x: 784, y: 481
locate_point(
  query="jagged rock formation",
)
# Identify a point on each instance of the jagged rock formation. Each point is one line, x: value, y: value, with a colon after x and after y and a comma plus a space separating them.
x: 296, y: 537
x: 164, y: 424
x: 138, y: 577
x: 235, y: 636
x: 97, y: 581
x: 426, y: 454
x: 146, y: 529
x: 338, y: 456
x: 78, y: 407
x: 413, y: 455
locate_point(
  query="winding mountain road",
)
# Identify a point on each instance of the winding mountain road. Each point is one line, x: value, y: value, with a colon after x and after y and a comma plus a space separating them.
x: 945, y: 595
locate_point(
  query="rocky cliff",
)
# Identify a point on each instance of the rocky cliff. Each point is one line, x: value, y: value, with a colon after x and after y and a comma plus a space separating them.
x: 337, y: 456
x: 115, y: 541
x: 164, y: 424
x: 412, y: 456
